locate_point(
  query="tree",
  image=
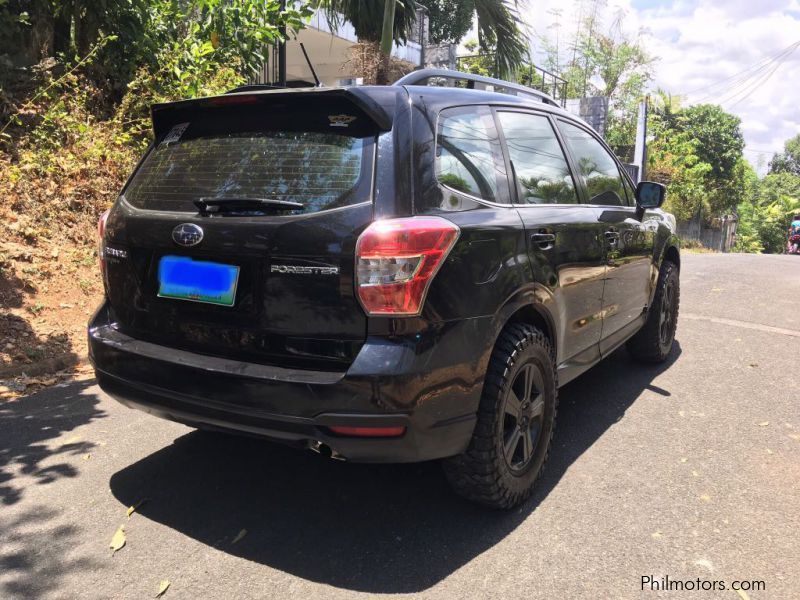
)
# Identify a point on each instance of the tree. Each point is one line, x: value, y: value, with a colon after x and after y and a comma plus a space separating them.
x: 719, y: 143
x: 787, y: 161
x: 498, y: 26
x: 766, y: 213
x: 367, y: 18
x: 140, y: 33
x: 600, y: 61
x: 697, y: 153
x: 719, y: 136
x: 449, y: 20
x: 476, y: 63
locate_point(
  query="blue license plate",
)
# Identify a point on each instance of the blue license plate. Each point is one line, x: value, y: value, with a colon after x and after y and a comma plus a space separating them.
x: 183, y: 278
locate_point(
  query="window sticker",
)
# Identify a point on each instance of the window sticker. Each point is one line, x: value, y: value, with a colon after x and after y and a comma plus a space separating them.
x: 174, y: 134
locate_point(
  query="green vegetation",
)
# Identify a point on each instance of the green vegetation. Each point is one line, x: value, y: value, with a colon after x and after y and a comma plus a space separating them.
x: 598, y: 61
x: 76, y: 117
x: 767, y: 211
x: 476, y: 62
x: 787, y: 161
x: 697, y: 153
x: 450, y: 20
x: 765, y: 215
x: 498, y: 23
x: 73, y: 122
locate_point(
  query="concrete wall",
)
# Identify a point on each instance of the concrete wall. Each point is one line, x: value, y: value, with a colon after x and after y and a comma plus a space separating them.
x: 593, y: 110
x: 719, y: 236
x: 440, y: 56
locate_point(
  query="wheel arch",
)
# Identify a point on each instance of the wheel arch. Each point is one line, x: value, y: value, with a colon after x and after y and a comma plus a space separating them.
x: 529, y: 306
x: 672, y: 254
x: 537, y: 316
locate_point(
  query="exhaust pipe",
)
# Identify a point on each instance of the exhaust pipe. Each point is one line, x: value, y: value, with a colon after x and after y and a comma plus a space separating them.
x: 325, y: 450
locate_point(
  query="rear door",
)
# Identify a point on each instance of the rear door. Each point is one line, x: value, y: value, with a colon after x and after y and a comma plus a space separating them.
x: 628, y: 242
x: 291, y: 266
x: 564, y: 237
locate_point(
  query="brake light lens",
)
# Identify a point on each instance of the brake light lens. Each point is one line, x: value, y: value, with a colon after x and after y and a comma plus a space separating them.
x: 368, y: 431
x: 101, y: 236
x: 396, y: 260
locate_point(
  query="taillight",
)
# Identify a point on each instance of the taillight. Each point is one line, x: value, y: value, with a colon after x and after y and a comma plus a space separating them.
x: 101, y: 250
x: 396, y: 259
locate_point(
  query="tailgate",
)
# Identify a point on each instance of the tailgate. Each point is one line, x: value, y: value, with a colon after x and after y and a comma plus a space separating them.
x: 290, y: 270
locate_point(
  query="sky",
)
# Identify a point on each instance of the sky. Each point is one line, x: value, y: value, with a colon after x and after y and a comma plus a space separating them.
x: 701, y: 46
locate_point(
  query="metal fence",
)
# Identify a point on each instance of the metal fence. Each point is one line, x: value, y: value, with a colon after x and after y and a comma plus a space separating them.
x: 532, y: 76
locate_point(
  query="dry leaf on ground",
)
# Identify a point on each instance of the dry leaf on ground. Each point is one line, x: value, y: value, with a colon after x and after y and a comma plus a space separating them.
x: 132, y: 509
x: 118, y: 541
x: 163, y: 586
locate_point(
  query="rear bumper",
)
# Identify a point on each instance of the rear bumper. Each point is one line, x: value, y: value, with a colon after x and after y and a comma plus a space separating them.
x: 429, y: 384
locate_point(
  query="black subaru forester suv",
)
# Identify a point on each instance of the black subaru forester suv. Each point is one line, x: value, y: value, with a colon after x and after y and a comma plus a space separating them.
x: 386, y: 274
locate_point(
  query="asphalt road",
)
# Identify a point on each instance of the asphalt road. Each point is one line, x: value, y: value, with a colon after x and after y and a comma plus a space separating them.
x: 687, y: 470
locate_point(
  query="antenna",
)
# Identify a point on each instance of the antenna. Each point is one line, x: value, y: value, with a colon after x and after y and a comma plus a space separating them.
x: 310, y: 66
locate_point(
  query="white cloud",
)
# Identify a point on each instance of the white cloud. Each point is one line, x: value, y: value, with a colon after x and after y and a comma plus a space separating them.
x: 702, y: 42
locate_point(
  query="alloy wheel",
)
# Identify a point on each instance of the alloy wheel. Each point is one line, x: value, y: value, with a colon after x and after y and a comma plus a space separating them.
x: 666, y: 326
x: 523, y: 418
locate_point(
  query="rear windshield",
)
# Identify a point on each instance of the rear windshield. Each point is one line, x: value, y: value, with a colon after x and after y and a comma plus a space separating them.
x: 319, y: 170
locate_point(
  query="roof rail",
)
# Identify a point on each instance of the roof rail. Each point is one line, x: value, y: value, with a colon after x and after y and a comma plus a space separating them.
x: 423, y: 75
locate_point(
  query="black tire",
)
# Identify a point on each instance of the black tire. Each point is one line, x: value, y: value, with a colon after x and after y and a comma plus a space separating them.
x: 653, y: 342
x: 488, y: 473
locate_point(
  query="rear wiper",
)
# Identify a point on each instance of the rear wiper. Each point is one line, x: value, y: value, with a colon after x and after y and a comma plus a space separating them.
x: 220, y: 205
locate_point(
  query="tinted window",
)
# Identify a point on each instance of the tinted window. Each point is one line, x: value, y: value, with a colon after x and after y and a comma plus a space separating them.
x: 599, y: 169
x: 468, y: 154
x: 542, y: 172
x: 319, y: 170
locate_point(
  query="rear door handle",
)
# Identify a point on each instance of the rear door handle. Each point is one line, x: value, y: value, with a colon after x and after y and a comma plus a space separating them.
x: 544, y: 240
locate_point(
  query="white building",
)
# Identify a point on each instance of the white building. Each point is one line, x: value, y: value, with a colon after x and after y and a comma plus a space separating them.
x: 329, y: 53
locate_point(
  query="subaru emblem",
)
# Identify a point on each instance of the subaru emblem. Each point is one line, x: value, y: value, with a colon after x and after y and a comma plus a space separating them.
x: 187, y: 234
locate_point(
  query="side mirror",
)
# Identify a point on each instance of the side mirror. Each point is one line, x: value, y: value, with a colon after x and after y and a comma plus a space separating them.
x: 650, y: 195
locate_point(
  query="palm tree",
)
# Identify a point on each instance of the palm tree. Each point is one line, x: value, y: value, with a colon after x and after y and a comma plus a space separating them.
x: 498, y: 27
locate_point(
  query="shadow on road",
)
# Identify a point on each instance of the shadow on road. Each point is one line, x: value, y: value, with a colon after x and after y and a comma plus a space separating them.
x: 372, y: 528
x: 27, y: 425
x: 36, y: 552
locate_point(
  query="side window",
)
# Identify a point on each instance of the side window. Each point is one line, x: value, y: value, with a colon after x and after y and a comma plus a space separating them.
x: 468, y: 153
x: 599, y: 169
x: 542, y: 172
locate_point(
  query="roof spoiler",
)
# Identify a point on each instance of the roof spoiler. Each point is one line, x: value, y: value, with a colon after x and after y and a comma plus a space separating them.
x: 169, y: 114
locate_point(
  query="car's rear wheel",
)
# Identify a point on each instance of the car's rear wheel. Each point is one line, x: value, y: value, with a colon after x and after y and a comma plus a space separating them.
x: 516, y: 419
x: 654, y: 341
